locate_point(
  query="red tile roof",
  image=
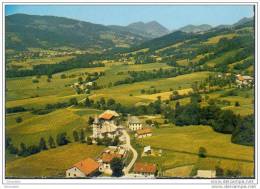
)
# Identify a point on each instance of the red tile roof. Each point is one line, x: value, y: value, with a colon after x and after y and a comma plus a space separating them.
x: 144, y: 168
x: 107, y: 158
x: 144, y: 131
x: 87, y: 166
x: 106, y: 116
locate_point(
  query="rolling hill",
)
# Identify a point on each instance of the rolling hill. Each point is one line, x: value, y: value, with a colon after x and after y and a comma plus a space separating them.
x: 32, y: 31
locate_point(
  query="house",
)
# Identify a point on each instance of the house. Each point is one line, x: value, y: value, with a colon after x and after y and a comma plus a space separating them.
x: 142, y: 133
x: 134, y: 123
x: 84, y: 168
x: 106, y: 125
x: 145, y: 169
x: 109, y: 116
x: 206, y: 173
x: 105, y: 161
x: 147, y: 150
x: 244, y: 80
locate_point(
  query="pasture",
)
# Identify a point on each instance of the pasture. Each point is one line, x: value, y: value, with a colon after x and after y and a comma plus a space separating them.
x: 33, y: 127
x: 129, y: 94
x: 180, y: 147
x: 53, y: 162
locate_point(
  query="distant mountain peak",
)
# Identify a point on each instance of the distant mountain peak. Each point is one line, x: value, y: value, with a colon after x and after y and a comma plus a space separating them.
x: 195, y: 28
x: 152, y: 29
x: 243, y: 21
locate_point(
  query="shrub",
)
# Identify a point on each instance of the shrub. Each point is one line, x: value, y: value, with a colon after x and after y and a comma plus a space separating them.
x: 202, y: 152
x: 18, y: 120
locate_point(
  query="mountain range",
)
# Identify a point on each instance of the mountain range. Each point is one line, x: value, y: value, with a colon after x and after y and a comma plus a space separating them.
x: 32, y: 31
x: 147, y: 30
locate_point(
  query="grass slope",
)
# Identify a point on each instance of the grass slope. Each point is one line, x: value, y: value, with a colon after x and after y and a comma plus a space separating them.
x: 51, y: 163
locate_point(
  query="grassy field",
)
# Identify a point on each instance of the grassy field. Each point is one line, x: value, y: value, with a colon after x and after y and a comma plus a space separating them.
x: 29, y: 63
x: 53, y: 162
x: 182, y: 171
x: 164, y: 95
x: 214, y: 40
x: 33, y: 127
x: 180, y: 147
x: 212, y: 63
x: 129, y: 94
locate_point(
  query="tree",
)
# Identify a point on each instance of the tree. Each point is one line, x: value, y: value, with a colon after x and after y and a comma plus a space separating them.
x: 73, y: 101
x: 117, y: 167
x: 42, y: 145
x: 237, y: 103
x: 116, y: 141
x: 80, y: 80
x: 33, y: 149
x: 102, y: 102
x: 12, y: 149
x: 244, y: 133
x: 8, y: 142
x: 90, y: 120
x: 63, y: 76
x: 23, y: 150
x: 62, y: 139
x: 51, y: 142
x: 82, y: 136
x: 202, y: 152
x: 219, y: 171
x: 75, y: 136
x: 195, y: 98
x: 225, y: 122
x: 18, y: 120
x: 88, y: 102
x: 107, y: 141
x: 110, y: 102
x: 35, y: 81
x: 89, y: 140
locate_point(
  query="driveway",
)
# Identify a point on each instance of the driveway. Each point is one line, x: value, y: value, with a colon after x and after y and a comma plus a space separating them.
x: 135, y: 154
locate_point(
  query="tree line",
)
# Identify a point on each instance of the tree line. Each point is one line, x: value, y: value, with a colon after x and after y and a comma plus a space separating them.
x: 60, y: 140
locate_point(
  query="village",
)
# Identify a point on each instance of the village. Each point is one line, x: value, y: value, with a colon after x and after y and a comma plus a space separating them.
x: 108, y: 125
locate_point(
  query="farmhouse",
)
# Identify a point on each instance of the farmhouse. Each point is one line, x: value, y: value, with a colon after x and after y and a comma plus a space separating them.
x: 206, y: 173
x: 84, y: 168
x: 244, y: 80
x: 105, y: 160
x: 142, y: 133
x: 134, y: 123
x: 106, y: 125
x: 145, y: 169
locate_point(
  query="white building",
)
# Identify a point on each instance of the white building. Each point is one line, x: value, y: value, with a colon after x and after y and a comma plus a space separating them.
x: 105, y: 125
x: 134, y: 123
x: 142, y: 133
x: 147, y: 150
x: 84, y: 168
x: 244, y: 80
x: 105, y: 160
x: 145, y: 169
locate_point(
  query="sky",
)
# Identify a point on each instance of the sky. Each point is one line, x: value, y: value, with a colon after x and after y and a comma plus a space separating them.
x: 170, y: 16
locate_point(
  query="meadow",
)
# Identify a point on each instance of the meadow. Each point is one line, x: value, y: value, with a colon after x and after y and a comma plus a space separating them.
x: 51, y: 163
x: 33, y: 127
x: 180, y: 147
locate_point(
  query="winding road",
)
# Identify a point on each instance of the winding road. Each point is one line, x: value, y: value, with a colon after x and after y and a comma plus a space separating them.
x: 135, y: 154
